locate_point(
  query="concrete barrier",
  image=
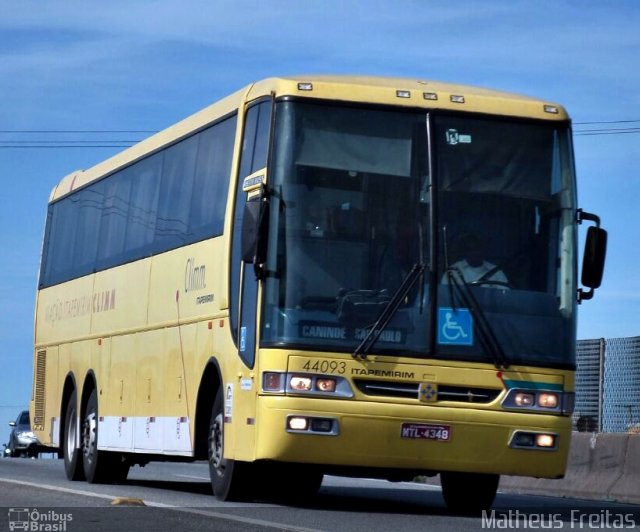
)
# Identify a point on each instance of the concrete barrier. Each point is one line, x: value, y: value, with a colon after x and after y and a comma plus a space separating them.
x: 627, y: 488
x: 602, y: 467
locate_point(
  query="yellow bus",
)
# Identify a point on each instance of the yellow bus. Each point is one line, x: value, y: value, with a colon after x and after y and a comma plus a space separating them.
x: 349, y: 275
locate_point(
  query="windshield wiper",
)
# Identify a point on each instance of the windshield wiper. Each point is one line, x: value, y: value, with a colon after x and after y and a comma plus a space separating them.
x: 389, y: 311
x: 491, y: 342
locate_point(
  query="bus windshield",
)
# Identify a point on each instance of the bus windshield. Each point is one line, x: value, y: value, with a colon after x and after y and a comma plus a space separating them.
x: 360, y: 196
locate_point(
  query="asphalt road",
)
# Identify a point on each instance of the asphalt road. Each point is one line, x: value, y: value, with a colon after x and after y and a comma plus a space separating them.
x: 35, y: 494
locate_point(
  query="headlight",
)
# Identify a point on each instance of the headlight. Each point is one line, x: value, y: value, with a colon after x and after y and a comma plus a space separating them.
x: 305, y: 384
x: 524, y: 399
x: 543, y: 401
x: 548, y: 400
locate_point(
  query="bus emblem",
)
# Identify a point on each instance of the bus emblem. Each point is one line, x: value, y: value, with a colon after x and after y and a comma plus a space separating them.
x: 428, y: 392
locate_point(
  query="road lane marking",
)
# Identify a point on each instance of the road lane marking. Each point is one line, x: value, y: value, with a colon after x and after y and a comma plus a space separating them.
x: 57, y: 488
x: 204, y: 513
x: 244, y: 520
x: 193, y: 476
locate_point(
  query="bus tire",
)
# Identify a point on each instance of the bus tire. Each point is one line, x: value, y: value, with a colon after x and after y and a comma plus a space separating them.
x: 229, y: 478
x: 72, y: 453
x: 99, y: 466
x: 469, y: 492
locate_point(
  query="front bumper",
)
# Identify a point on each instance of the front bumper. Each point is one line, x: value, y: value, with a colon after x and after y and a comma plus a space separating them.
x: 369, y: 436
x: 25, y: 443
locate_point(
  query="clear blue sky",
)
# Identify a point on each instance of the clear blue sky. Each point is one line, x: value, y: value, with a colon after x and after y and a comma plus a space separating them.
x: 143, y: 65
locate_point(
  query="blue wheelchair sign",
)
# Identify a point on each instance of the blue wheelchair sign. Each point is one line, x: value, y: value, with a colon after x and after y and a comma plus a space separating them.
x: 455, y: 326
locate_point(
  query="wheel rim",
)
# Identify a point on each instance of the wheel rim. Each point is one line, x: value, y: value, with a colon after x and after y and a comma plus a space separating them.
x: 216, y: 444
x: 71, y: 435
x: 89, y: 436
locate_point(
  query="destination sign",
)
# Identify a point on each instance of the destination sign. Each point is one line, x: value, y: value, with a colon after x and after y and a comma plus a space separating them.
x: 333, y: 331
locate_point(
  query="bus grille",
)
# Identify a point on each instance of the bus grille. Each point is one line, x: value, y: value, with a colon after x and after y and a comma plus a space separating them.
x: 409, y: 390
x: 39, y: 388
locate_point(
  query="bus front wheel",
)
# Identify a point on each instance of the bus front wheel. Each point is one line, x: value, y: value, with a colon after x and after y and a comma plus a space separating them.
x: 70, y: 449
x: 229, y: 478
x: 470, y: 492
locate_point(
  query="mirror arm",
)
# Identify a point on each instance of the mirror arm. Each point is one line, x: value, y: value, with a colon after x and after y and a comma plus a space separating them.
x: 585, y: 295
x: 581, y: 216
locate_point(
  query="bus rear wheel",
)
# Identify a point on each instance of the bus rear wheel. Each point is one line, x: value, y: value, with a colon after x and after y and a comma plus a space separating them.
x: 229, y: 478
x: 469, y: 492
x: 70, y: 450
x: 99, y: 466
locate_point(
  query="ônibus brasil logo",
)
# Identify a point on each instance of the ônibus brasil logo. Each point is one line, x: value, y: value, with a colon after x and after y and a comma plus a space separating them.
x: 37, y: 520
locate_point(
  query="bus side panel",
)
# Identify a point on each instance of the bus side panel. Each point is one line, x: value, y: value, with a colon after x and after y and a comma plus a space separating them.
x: 64, y: 312
x: 179, y: 347
x: 120, y: 299
x: 149, y: 349
x: 187, y: 286
x: 116, y: 431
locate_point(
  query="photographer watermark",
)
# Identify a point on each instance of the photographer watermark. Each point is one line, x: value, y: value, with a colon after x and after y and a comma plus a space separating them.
x: 568, y: 519
x: 38, y: 521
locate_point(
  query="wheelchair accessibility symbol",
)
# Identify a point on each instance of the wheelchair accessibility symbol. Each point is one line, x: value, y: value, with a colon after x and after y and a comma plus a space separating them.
x: 455, y: 326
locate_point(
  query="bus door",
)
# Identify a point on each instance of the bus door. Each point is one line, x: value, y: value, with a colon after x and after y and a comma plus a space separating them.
x: 240, y: 395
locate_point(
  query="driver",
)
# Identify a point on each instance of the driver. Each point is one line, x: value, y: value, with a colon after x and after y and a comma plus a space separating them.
x: 473, y: 268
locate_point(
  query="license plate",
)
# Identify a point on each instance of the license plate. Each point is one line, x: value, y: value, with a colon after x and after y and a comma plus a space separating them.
x: 421, y: 431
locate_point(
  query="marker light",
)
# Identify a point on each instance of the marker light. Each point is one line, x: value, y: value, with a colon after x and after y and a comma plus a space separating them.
x: 305, y: 86
x: 326, y: 385
x: 524, y: 399
x: 545, y: 440
x: 300, y: 383
x: 272, y: 382
x: 298, y: 423
x: 548, y: 400
x: 457, y: 98
x: 429, y: 95
x: 403, y: 94
x: 553, y: 109
x: 534, y: 441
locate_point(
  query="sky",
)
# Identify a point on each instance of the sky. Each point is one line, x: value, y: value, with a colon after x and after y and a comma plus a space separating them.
x: 123, y: 66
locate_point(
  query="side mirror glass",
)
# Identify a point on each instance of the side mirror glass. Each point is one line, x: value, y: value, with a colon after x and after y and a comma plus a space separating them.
x: 595, y: 251
x: 255, y: 229
x: 250, y: 229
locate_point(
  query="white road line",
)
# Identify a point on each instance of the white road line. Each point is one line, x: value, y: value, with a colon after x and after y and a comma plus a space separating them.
x: 192, y: 476
x: 205, y: 513
x: 58, y: 488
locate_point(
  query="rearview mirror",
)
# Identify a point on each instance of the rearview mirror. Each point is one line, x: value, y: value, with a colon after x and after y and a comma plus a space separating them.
x: 255, y: 228
x: 595, y: 250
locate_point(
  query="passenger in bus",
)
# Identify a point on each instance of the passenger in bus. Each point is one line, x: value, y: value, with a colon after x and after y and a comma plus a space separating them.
x: 473, y: 268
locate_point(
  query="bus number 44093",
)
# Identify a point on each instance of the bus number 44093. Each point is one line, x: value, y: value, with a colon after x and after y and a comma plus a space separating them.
x: 426, y: 432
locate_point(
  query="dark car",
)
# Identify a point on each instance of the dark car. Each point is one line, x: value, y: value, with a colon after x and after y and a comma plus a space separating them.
x: 22, y: 441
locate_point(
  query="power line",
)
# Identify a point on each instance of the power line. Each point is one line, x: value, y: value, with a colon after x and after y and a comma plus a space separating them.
x: 92, y: 131
x: 606, y: 122
x: 39, y: 147
x: 126, y: 143
x: 609, y: 131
